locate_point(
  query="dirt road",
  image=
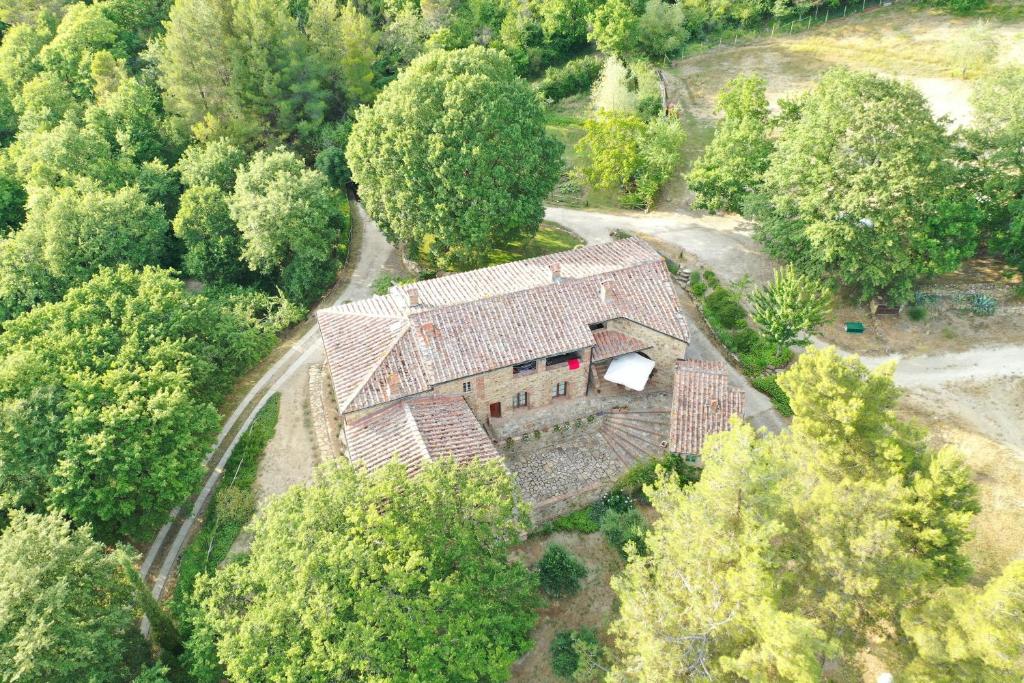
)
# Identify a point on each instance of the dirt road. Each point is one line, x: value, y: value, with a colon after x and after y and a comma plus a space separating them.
x: 975, y: 365
x: 723, y: 243
x: 371, y: 256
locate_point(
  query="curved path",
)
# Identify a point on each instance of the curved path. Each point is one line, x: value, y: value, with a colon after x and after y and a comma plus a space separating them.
x: 371, y: 254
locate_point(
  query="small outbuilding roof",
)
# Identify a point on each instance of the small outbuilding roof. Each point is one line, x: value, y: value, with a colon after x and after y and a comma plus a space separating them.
x: 702, y: 403
x: 419, y: 430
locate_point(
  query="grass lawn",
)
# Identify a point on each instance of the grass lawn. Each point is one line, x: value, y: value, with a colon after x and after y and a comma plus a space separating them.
x: 549, y: 239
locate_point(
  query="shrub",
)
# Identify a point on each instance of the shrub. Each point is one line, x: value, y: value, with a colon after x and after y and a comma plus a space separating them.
x: 698, y: 288
x: 767, y: 385
x: 575, y: 77
x: 724, y: 305
x: 646, y: 473
x: 711, y: 278
x: 560, y: 572
x: 673, y: 267
x: 622, y: 527
x: 565, y: 658
x: 582, y: 521
x: 741, y: 341
x: 917, y: 313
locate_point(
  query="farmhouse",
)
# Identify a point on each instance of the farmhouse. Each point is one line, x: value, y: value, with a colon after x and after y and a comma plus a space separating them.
x: 454, y: 365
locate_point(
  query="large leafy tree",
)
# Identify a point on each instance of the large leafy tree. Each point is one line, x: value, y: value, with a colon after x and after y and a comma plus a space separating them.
x: 213, y: 164
x: 862, y: 187
x: 454, y: 152
x: 213, y: 245
x: 734, y: 161
x: 106, y: 397
x: 793, y: 548
x: 72, y: 232
x: 291, y: 220
x: 70, y: 611
x: 997, y: 139
x: 377, y: 577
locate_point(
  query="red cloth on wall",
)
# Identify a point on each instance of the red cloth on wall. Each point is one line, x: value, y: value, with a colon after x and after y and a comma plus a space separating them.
x: 574, y: 363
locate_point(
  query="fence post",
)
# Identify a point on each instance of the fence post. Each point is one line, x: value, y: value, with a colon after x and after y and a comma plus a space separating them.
x: 773, y: 30
x: 826, y: 14
x: 863, y: 4
x: 845, y: 7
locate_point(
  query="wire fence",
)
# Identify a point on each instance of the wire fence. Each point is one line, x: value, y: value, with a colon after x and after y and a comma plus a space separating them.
x: 789, y: 25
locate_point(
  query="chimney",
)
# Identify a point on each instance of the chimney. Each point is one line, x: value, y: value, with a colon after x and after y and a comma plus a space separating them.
x: 556, y: 272
x: 428, y: 330
x: 603, y: 293
x: 714, y: 404
x: 414, y: 296
x: 393, y: 381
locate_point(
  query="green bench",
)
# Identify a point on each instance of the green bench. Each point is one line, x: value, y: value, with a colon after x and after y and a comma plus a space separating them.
x: 855, y: 328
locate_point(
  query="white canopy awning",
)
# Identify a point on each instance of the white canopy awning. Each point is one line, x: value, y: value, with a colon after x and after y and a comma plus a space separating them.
x: 630, y: 370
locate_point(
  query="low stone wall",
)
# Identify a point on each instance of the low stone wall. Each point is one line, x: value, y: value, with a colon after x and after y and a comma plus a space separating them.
x: 318, y: 413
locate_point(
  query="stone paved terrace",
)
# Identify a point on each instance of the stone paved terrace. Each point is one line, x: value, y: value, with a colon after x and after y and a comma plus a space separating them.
x: 568, y: 468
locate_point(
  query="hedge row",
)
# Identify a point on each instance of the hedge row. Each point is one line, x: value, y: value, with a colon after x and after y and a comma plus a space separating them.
x: 575, y: 77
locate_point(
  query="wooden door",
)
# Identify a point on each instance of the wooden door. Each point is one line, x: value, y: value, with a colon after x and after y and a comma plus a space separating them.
x: 496, y: 410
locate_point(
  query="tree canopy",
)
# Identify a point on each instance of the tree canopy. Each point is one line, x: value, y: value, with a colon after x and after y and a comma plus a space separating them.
x: 377, y: 577
x: 732, y: 164
x: 70, y: 611
x: 793, y: 548
x: 105, y: 397
x: 454, y: 154
x: 863, y: 187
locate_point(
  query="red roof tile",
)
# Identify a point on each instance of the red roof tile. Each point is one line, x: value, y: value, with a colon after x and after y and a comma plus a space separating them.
x: 418, y: 430
x: 610, y: 343
x: 702, y: 403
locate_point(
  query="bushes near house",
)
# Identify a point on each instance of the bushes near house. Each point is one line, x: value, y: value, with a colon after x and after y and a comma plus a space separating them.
x: 757, y: 354
x: 576, y: 76
x: 917, y: 313
x: 645, y: 473
x: 623, y: 527
x: 565, y: 647
x: 560, y: 572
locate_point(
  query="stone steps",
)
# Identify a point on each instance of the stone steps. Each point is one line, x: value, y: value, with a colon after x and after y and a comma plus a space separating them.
x: 633, y: 437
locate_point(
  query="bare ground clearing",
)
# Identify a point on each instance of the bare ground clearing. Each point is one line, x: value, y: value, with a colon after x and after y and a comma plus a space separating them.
x: 593, y: 607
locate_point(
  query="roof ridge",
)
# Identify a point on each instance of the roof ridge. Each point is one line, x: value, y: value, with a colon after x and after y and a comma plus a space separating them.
x: 374, y: 366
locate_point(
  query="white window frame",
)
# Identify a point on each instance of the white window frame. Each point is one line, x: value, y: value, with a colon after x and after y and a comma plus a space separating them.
x: 560, y: 390
x: 521, y: 400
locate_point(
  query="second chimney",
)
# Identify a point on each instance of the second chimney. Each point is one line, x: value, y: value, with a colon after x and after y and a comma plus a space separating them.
x: 428, y: 331
x: 393, y: 382
x: 556, y: 272
x: 414, y: 296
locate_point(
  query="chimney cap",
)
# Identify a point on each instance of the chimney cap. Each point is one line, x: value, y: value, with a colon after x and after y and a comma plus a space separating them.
x: 413, y: 293
x: 556, y: 271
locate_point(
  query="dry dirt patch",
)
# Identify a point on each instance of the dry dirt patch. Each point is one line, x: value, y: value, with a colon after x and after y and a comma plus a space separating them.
x: 984, y: 420
x: 593, y: 607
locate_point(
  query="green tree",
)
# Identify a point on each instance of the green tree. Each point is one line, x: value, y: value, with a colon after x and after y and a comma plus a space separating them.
x: 379, y: 597
x: 996, y: 139
x: 454, y: 152
x: 27, y: 11
x: 213, y: 245
x: 661, y: 30
x: 84, y: 31
x: 790, y: 306
x: 241, y: 70
x: 213, y: 164
x: 106, y: 397
x: 66, y: 154
x: 862, y: 187
x: 73, y: 232
x: 69, y: 608
x: 19, y: 54
x: 615, y: 27
x: 970, y: 634
x: 792, y: 548
x: 12, y: 196
x: 291, y: 222
x: 130, y: 119
x: 736, y: 158
x: 345, y: 42
x: 634, y: 156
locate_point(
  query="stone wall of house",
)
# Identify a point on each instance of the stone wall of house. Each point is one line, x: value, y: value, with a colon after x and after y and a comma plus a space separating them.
x: 502, y: 385
x: 664, y: 351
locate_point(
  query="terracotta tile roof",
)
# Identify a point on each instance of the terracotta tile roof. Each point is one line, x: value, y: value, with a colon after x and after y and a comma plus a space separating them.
x: 609, y: 343
x: 702, y: 403
x: 464, y: 324
x: 418, y: 430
